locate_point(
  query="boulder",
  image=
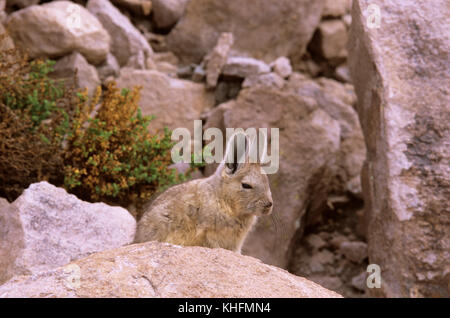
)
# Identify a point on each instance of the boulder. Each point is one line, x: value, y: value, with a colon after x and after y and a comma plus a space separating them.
x: 401, y: 76
x: 244, y: 66
x: 46, y: 228
x: 128, y: 45
x: 110, y: 67
x: 166, y: 13
x: 87, y: 76
x: 282, y: 66
x: 217, y: 58
x: 308, y: 140
x: 337, y: 100
x: 155, y: 269
x: 268, y: 79
x: 336, y: 8
x: 174, y: 102
x: 330, y: 40
x: 58, y: 28
x: 354, y: 251
x: 263, y: 29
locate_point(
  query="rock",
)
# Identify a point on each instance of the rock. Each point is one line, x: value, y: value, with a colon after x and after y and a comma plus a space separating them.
x: 331, y: 39
x: 140, y: 7
x: 198, y: 74
x: 128, y: 45
x: 342, y: 73
x: 401, y: 76
x: 331, y: 282
x: 269, y: 79
x: 46, y: 228
x: 167, y: 57
x: 337, y: 100
x: 87, y: 76
x: 263, y: 29
x: 359, y: 281
x: 347, y: 20
x: 336, y: 8
x: 304, y: 129
x: 167, y: 68
x: 282, y: 66
x: 315, y: 241
x: 108, y: 68
x: 166, y: 13
x: 155, y: 269
x: 58, y: 28
x: 244, y: 66
x: 354, y: 251
x: 174, y: 102
x: 217, y: 58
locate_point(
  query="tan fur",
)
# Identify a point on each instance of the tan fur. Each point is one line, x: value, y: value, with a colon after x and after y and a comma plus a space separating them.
x: 213, y: 212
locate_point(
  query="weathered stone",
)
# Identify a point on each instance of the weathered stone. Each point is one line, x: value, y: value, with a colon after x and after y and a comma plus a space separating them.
x: 155, y: 269
x: 354, y: 251
x: 217, y: 58
x: 282, y: 66
x: 330, y: 40
x: 87, y: 76
x: 166, y: 13
x: 58, y: 28
x: 268, y: 79
x: 359, y: 281
x: 128, y: 45
x: 315, y: 241
x: 402, y: 80
x: 244, y: 66
x: 304, y: 129
x: 108, y: 68
x: 46, y: 227
x: 336, y: 8
x: 342, y: 73
x: 263, y: 29
x: 337, y: 100
x: 174, y: 102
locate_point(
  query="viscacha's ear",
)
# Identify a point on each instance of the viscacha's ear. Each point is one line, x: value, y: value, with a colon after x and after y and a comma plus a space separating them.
x: 236, y: 154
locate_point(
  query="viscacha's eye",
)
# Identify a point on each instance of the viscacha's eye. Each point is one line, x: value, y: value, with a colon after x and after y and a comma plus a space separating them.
x: 246, y: 186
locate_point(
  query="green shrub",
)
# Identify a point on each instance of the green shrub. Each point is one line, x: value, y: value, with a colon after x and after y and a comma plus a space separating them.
x: 111, y: 156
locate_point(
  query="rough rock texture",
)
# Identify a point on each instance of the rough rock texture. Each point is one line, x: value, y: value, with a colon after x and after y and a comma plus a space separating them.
x: 244, y: 66
x: 330, y: 40
x: 87, y: 76
x: 174, y: 102
x: 58, y: 28
x: 128, y: 45
x: 263, y: 29
x: 268, y: 79
x: 402, y: 79
x: 337, y: 100
x: 354, y: 251
x: 336, y: 8
x: 161, y: 270
x: 309, y: 139
x: 282, y: 66
x: 110, y: 67
x: 166, y: 13
x: 46, y: 228
x: 217, y: 58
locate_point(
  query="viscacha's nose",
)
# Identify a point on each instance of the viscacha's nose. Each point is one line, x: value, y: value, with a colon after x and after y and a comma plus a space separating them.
x: 268, y: 205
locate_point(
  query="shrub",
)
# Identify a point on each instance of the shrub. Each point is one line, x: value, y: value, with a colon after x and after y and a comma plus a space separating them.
x: 111, y: 156
x: 34, y: 117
